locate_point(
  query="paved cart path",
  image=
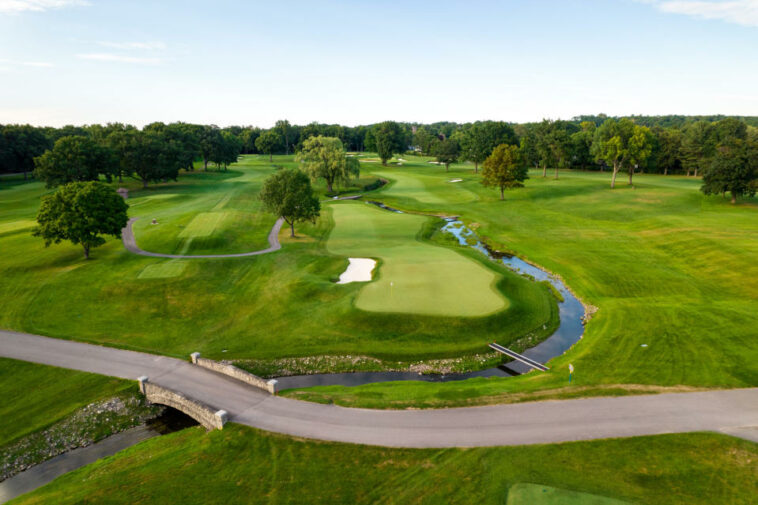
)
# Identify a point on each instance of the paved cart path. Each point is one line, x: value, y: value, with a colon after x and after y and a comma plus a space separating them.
x: 130, y: 243
x: 730, y: 411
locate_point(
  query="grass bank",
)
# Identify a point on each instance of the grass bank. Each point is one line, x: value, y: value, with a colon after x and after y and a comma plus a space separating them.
x: 242, y: 464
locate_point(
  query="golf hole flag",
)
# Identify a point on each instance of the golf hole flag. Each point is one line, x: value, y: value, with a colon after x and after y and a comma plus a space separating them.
x: 571, y: 371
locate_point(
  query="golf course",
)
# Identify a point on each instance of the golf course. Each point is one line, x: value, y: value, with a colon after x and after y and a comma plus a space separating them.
x: 660, y: 268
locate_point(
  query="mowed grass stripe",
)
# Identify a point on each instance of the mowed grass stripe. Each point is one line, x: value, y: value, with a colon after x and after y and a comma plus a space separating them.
x: 203, y: 225
x: 414, y: 277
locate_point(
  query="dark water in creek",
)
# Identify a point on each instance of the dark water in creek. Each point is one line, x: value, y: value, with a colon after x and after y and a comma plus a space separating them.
x: 570, y: 330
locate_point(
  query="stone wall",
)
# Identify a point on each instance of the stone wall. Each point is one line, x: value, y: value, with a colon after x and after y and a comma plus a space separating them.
x: 204, y: 414
x: 236, y: 373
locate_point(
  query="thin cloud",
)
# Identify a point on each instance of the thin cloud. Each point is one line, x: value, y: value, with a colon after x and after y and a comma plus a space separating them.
x: 16, y: 6
x: 37, y: 64
x: 119, y: 58
x: 150, y: 46
x: 741, y: 12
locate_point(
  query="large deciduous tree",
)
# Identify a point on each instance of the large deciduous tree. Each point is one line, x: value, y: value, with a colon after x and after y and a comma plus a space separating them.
x: 209, y: 142
x: 447, y: 152
x: 480, y: 139
x: 388, y: 138
x: 227, y: 151
x: 325, y: 158
x: 75, y: 158
x: 20, y: 145
x: 288, y: 194
x: 504, y: 169
x: 622, y: 144
x: 81, y: 212
x: 268, y: 142
x: 287, y: 133
x: 698, y: 146
x: 733, y: 169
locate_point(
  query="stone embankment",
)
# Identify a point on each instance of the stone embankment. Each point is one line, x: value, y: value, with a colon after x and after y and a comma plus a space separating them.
x: 235, y: 373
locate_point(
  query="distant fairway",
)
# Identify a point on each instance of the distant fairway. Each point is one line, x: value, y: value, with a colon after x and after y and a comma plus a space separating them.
x: 411, y: 183
x: 426, y: 279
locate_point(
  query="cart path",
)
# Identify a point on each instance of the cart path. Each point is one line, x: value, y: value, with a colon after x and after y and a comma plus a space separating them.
x: 130, y: 243
x: 732, y: 411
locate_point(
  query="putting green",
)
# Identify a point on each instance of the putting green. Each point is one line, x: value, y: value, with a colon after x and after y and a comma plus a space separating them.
x: 414, y: 277
x: 426, y: 188
x: 535, y: 494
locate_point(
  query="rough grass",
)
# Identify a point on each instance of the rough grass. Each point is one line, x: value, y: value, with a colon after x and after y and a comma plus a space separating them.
x: 36, y: 396
x: 414, y: 276
x: 240, y: 464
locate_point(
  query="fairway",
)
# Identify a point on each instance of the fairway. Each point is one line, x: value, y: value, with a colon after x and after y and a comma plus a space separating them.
x: 414, y: 277
x: 436, y: 188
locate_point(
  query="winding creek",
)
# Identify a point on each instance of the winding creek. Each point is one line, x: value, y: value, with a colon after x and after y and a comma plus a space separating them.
x: 569, y: 331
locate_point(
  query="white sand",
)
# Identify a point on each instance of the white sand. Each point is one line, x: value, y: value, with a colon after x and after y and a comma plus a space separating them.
x: 359, y: 270
x: 456, y: 180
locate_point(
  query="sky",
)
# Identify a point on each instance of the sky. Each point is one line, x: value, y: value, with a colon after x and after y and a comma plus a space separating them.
x: 360, y: 62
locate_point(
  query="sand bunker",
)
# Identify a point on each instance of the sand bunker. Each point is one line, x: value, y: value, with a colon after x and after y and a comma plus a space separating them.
x: 359, y: 270
x: 456, y: 180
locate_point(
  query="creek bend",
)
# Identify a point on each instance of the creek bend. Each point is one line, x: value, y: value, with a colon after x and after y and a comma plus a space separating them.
x: 570, y: 329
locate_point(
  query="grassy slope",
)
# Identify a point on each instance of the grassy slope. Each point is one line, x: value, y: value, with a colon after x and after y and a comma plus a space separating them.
x: 281, y: 304
x: 426, y: 278
x: 667, y: 266
x: 239, y: 464
x: 36, y: 396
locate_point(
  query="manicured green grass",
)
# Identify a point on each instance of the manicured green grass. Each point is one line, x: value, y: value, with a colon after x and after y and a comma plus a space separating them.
x: 414, y: 276
x: 667, y: 267
x: 240, y: 464
x: 269, y: 306
x: 535, y: 494
x: 36, y: 396
x: 206, y: 212
x: 425, y: 188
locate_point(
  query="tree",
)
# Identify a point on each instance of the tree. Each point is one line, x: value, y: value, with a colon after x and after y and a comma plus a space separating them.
x: 734, y: 168
x: 209, y: 142
x: 543, y: 145
x: 21, y: 144
x: 287, y: 133
x: 698, y: 146
x: 227, y: 151
x: 528, y: 147
x: 389, y: 138
x: 447, y: 152
x: 148, y: 156
x: 424, y: 140
x: 268, y: 142
x: 81, y: 212
x: 504, y: 169
x: 325, y: 158
x: 289, y: 195
x: 581, y: 144
x: 74, y: 159
x: 623, y: 144
x: 479, y: 140
x: 668, y: 153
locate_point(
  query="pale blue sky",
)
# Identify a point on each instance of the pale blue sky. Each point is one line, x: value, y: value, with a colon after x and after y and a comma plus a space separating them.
x: 358, y: 62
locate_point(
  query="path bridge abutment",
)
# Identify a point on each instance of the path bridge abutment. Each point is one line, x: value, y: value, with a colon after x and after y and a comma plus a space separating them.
x: 211, y: 418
